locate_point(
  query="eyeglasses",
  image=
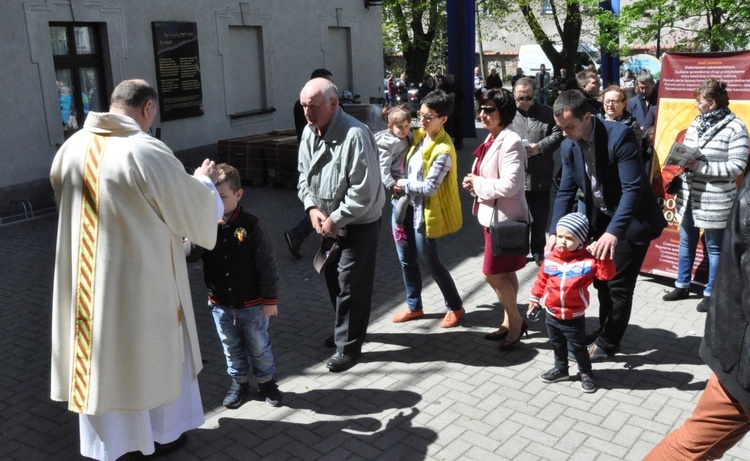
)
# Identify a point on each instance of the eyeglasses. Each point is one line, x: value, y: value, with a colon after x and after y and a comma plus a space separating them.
x: 611, y: 102
x: 489, y: 110
x: 426, y: 117
x: 524, y: 98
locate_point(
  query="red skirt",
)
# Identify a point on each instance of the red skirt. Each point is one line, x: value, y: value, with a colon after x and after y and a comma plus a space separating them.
x: 499, y: 264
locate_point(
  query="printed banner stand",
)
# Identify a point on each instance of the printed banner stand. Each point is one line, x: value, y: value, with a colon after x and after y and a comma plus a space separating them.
x: 681, y: 74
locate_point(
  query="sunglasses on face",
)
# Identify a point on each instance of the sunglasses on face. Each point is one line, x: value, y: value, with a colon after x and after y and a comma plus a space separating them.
x: 612, y: 102
x: 489, y: 110
x: 524, y: 98
x: 426, y: 117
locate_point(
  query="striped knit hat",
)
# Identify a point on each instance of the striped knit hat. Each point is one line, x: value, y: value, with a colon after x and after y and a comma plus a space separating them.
x: 577, y: 224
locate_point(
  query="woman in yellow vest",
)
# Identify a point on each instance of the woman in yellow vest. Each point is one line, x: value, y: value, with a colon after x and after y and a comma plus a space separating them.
x: 497, y: 183
x: 434, y: 209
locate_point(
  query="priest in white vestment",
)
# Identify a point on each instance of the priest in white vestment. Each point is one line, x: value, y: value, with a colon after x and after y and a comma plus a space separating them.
x: 125, y: 352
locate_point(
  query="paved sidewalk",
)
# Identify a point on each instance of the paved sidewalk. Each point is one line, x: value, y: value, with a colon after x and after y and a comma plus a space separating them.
x: 420, y: 392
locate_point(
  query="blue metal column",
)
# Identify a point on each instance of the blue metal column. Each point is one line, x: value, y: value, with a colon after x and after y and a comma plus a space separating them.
x: 461, y: 61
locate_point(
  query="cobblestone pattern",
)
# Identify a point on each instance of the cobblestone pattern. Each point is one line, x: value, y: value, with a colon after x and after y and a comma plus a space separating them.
x: 420, y: 392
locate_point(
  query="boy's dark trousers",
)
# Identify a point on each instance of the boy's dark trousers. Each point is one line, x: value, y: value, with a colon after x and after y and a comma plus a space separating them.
x: 564, y: 334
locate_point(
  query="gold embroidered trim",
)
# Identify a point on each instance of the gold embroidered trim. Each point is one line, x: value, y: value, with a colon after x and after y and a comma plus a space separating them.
x: 87, y: 245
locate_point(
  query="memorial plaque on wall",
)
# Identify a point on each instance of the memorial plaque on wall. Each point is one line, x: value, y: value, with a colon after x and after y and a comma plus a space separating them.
x: 178, y: 73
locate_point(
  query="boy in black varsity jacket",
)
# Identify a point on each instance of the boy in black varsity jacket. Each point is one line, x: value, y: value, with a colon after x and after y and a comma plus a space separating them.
x: 240, y: 273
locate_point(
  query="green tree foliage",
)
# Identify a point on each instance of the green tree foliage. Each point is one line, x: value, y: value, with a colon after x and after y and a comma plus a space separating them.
x: 688, y: 25
x: 570, y: 19
x: 411, y: 26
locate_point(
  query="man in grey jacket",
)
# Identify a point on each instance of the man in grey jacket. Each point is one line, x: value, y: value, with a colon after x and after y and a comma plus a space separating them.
x: 339, y: 184
x: 535, y: 123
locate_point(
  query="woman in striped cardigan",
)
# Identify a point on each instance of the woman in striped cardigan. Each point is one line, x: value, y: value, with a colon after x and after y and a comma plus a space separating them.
x: 709, y: 183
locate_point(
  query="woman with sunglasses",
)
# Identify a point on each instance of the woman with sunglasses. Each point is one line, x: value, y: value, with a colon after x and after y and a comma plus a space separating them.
x: 434, y: 209
x: 497, y: 184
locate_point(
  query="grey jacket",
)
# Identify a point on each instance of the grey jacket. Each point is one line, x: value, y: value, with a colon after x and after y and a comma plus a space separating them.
x: 392, y: 151
x: 537, y: 125
x: 339, y: 172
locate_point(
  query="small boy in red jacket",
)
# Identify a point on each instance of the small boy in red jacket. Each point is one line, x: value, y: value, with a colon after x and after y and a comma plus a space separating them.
x: 562, y: 288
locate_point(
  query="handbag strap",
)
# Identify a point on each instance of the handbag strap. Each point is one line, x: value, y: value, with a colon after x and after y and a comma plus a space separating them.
x: 494, y: 213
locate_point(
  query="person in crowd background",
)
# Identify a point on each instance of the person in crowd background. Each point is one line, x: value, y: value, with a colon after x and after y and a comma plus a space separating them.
x: 240, y: 274
x: 125, y: 346
x: 614, y: 101
x: 340, y: 187
x: 514, y: 78
x: 295, y: 236
x: 604, y: 161
x: 590, y: 84
x: 709, y: 184
x: 497, y: 185
x: 543, y: 82
x: 428, y: 86
x: 536, y: 125
x: 493, y: 80
x: 434, y: 211
x: 560, y: 82
x: 643, y: 105
x: 627, y: 83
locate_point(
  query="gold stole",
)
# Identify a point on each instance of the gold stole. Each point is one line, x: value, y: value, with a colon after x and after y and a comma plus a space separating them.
x: 87, y: 245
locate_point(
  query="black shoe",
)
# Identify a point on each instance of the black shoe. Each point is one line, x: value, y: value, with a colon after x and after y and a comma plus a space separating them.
x: 294, y: 245
x: 703, y: 305
x: 554, y: 376
x: 676, y: 294
x: 271, y: 392
x: 588, y: 384
x: 538, y: 259
x: 163, y: 449
x: 341, y: 362
x: 330, y: 343
x: 235, y: 394
x: 597, y: 354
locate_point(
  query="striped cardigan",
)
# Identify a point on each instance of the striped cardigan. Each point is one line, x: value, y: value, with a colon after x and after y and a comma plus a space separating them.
x: 711, y: 188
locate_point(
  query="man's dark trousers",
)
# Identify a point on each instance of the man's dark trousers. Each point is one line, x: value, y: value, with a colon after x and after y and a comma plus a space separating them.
x: 616, y: 296
x: 539, y: 205
x: 349, y: 281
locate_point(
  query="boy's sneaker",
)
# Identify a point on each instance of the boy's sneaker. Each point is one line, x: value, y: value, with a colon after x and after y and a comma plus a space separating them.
x: 271, y: 392
x: 399, y: 235
x: 235, y: 394
x: 588, y: 384
x: 554, y: 375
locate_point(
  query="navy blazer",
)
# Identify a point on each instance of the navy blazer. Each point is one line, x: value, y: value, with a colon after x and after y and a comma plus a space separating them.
x: 628, y: 196
x: 643, y: 115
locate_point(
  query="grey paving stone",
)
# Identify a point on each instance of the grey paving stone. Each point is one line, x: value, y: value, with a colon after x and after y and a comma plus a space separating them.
x: 420, y: 393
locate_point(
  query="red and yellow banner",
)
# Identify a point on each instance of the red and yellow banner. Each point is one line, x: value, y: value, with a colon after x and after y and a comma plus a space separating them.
x: 681, y: 74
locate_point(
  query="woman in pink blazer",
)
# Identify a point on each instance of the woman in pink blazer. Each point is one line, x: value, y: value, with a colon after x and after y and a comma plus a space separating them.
x: 497, y: 185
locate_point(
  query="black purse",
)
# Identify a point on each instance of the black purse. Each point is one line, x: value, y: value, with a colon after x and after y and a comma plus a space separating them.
x: 508, y: 237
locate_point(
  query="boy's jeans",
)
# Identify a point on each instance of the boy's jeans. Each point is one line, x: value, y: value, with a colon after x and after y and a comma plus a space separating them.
x: 244, y: 335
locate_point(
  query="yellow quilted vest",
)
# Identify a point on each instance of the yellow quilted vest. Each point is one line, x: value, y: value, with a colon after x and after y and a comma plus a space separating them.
x: 442, y: 211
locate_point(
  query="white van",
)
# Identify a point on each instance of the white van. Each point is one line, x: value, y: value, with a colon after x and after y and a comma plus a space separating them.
x: 530, y: 57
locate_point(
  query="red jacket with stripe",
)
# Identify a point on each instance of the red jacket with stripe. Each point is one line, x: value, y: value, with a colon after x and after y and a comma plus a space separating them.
x: 562, y: 284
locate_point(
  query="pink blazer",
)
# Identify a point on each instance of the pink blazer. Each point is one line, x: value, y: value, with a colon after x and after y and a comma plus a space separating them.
x: 502, y: 177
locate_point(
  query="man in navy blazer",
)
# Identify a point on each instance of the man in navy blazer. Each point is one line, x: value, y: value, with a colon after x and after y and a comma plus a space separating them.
x: 603, y: 160
x: 643, y: 105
